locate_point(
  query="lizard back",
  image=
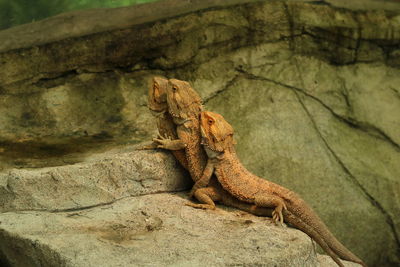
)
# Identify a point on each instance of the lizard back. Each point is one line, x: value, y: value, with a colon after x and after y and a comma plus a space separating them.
x: 244, y: 185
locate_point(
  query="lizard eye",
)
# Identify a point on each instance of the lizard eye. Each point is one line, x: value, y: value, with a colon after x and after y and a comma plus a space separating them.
x: 210, y: 122
x: 174, y: 88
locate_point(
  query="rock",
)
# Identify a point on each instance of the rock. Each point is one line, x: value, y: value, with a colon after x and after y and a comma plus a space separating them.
x: 326, y: 261
x: 50, y: 71
x: 328, y: 156
x: 152, y: 230
x: 49, y: 118
x: 311, y: 88
x: 101, y: 179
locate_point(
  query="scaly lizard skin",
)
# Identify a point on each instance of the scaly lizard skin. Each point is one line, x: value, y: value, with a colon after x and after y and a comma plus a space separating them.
x: 181, y: 101
x: 157, y: 103
x: 214, y: 192
x: 217, y: 138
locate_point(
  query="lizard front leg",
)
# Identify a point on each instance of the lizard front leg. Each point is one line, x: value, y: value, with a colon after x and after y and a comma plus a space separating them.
x: 206, y: 197
x: 269, y: 200
x: 205, y: 178
x: 169, y: 144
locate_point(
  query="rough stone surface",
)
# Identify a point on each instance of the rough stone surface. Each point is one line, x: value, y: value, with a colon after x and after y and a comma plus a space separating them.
x: 102, y: 179
x: 311, y: 89
x: 326, y: 261
x: 327, y: 156
x: 152, y: 230
x: 49, y: 115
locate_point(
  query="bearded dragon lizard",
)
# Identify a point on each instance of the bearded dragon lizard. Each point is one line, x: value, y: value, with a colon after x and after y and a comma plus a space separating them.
x: 217, y: 138
x: 185, y: 106
x: 157, y: 104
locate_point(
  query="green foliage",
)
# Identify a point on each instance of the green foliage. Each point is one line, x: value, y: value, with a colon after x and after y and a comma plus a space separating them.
x: 5, y: 15
x: 15, y: 12
x: 79, y: 4
x: 23, y: 11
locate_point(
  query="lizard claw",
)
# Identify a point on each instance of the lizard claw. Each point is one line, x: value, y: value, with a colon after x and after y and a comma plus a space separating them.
x: 277, y: 215
x: 161, y: 136
x: 164, y: 136
x: 147, y: 147
x: 161, y: 141
x: 200, y: 206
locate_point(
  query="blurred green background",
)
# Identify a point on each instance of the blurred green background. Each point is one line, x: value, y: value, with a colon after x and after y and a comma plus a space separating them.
x: 15, y: 12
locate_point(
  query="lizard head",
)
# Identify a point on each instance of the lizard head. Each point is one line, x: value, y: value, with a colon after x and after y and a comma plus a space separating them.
x: 216, y: 132
x: 158, y: 95
x: 183, y: 100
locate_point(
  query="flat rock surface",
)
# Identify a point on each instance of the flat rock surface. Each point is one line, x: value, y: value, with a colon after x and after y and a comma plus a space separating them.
x: 101, y: 178
x: 151, y: 230
x: 326, y: 261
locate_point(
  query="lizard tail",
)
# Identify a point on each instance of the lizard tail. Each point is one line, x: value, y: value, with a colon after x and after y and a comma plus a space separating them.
x: 300, y: 209
x: 299, y: 224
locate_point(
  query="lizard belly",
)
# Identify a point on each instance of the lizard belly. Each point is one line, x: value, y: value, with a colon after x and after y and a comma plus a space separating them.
x: 167, y: 128
x: 195, y: 154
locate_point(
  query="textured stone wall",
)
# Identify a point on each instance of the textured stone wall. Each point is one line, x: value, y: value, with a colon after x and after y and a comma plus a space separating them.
x: 311, y: 88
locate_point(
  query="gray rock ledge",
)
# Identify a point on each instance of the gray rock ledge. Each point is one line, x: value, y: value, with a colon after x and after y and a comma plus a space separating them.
x: 103, y: 178
x: 151, y: 230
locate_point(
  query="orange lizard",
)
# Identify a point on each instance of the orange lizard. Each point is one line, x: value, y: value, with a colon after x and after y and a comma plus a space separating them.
x: 157, y: 104
x: 185, y: 107
x: 217, y: 139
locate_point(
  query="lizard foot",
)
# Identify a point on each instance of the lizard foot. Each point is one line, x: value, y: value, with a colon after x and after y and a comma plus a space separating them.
x: 200, y: 206
x: 147, y: 147
x: 277, y: 215
x: 162, y: 140
x: 165, y: 142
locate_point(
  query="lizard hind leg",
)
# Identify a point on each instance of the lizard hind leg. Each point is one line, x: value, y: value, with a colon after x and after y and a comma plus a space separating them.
x: 271, y: 201
x: 206, y: 196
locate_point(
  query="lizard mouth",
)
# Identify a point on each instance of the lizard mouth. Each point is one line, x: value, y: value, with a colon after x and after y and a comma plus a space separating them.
x: 173, y: 114
x: 156, y: 106
x: 157, y: 112
x: 211, y: 152
x: 177, y: 118
x: 206, y: 145
x: 204, y: 142
x: 175, y: 110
